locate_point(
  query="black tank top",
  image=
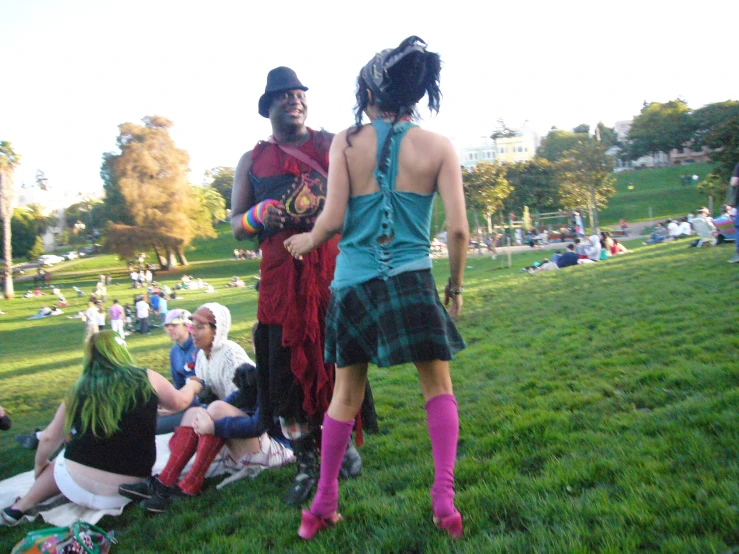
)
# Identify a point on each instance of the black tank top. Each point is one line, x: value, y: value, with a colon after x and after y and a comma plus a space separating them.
x: 130, y: 451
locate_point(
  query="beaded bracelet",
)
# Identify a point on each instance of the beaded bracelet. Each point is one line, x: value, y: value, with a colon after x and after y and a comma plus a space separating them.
x: 453, y: 292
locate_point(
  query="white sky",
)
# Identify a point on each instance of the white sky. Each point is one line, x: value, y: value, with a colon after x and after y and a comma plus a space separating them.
x: 74, y: 70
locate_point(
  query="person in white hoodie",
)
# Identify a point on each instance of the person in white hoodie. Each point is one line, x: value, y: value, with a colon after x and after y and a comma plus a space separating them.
x: 594, y: 248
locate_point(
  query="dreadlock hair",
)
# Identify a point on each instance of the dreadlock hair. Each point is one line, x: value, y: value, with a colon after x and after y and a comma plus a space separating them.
x: 415, y: 75
x: 110, y: 385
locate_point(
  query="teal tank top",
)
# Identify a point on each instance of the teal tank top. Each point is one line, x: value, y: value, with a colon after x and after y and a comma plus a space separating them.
x: 385, y: 232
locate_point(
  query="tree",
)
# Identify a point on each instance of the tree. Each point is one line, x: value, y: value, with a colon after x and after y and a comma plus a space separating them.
x: 582, y: 129
x: 724, y: 141
x: 9, y: 160
x: 485, y: 188
x: 156, y: 207
x: 710, y: 116
x: 22, y: 233
x: 556, y: 143
x: 36, y: 250
x: 586, y: 178
x: 222, y: 181
x: 41, y: 181
x: 211, y: 204
x: 533, y: 183
x: 503, y: 131
x: 608, y: 135
x: 41, y: 221
x: 659, y: 128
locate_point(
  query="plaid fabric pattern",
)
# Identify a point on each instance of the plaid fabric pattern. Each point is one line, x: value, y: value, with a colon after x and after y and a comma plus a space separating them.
x: 390, y: 322
x: 294, y: 430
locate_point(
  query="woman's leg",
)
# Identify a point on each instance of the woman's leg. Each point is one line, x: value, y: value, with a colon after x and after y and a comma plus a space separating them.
x: 443, y: 425
x: 182, y: 446
x: 43, y: 488
x: 337, y: 429
x: 238, y: 448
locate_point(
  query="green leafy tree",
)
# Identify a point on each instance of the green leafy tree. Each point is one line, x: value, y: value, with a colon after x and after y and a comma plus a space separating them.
x: 486, y: 187
x: 713, y: 186
x: 659, y: 127
x: 582, y: 129
x: 158, y: 208
x: 608, y: 135
x: 710, y: 116
x: 533, y: 183
x: 9, y: 160
x: 723, y: 139
x: 586, y: 178
x: 36, y: 250
x: 557, y: 142
x: 22, y: 233
x: 222, y: 181
x: 41, y: 221
x: 211, y: 204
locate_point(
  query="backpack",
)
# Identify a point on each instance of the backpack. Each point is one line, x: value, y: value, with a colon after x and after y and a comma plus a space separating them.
x: 80, y: 538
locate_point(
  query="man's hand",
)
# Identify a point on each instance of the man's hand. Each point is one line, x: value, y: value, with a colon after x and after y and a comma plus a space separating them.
x: 203, y: 424
x: 734, y: 182
x: 274, y: 218
x: 300, y: 244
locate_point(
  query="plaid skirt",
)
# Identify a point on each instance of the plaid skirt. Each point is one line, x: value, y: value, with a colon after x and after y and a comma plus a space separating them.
x: 390, y: 322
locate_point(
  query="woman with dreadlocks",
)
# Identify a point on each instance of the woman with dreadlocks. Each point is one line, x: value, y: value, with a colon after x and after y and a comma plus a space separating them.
x: 108, y: 421
x: 384, y: 305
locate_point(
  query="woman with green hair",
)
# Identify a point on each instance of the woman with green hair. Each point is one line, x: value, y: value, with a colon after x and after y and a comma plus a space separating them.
x: 108, y: 422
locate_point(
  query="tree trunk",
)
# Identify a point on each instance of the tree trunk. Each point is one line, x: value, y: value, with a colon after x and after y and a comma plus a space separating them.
x: 181, y: 256
x: 160, y: 258
x: 8, y: 253
x: 171, y: 260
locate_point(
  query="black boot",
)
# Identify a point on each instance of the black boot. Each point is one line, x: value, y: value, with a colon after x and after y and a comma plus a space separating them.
x: 308, y: 470
x: 351, y: 465
x: 369, y: 414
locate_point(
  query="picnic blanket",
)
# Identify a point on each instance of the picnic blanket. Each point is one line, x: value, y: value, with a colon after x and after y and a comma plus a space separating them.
x: 61, y: 512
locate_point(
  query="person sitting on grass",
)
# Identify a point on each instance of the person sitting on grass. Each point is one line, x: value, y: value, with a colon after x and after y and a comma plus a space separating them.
x: 216, y: 365
x: 182, y: 358
x: 569, y: 258
x: 618, y: 248
x: 659, y: 235
x: 704, y: 228
x: 5, y: 422
x: 108, y: 419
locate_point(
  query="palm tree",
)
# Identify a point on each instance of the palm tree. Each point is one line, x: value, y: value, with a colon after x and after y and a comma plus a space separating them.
x: 9, y: 160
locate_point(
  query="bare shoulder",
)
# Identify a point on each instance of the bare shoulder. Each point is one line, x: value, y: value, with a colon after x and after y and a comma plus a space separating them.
x: 430, y: 139
x: 245, y: 161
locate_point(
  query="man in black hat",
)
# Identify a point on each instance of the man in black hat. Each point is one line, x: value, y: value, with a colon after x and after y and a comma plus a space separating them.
x: 279, y: 190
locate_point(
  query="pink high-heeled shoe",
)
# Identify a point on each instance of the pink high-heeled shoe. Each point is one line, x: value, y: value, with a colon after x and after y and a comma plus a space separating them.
x: 310, y: 524
x: 451, y: 524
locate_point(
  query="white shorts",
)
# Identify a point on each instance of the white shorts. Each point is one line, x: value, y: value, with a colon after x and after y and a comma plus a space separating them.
x: 78, y: 495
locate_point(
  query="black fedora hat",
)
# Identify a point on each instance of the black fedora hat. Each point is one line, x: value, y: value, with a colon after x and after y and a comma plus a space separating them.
x: 279, y: 79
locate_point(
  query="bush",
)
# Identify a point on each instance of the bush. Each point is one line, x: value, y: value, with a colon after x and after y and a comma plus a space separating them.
x: 36, y: 250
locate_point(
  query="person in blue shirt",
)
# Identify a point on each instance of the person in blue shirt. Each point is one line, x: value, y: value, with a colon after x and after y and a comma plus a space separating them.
x: 181, y: 362
x: 569, y: 258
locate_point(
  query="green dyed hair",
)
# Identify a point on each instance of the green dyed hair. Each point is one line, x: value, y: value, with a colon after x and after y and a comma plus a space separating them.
x: 110, y: 385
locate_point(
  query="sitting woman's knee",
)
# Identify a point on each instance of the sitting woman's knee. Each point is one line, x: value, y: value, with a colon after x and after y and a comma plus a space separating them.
x: 190, y: 415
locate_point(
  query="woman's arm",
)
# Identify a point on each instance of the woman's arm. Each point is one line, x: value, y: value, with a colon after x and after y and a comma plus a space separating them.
x: 51, y: 439
x: 171, y: 398
x: 331, y: 219
x: 449, y: 186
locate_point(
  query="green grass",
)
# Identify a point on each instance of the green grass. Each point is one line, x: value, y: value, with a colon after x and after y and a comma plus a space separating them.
x: 597, y: 404
x: 659, y: 189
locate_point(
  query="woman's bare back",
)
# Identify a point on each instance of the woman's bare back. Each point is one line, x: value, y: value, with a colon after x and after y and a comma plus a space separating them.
x: 419, y: 161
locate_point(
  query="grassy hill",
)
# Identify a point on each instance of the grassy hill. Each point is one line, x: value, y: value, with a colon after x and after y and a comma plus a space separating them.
x: 597, y: 405
x: 659, y: 189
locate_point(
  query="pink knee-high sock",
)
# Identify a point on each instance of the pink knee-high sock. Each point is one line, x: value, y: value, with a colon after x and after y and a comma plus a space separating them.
x: 335, y: 437
x: 443, y: 423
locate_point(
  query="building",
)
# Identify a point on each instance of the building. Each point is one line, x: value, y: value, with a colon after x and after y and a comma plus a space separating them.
x: 678, y: 156
x: 519, y: 148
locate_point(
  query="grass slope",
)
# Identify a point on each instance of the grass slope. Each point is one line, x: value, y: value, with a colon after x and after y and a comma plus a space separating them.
x: 597, y: 405
x: 659, y: 189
